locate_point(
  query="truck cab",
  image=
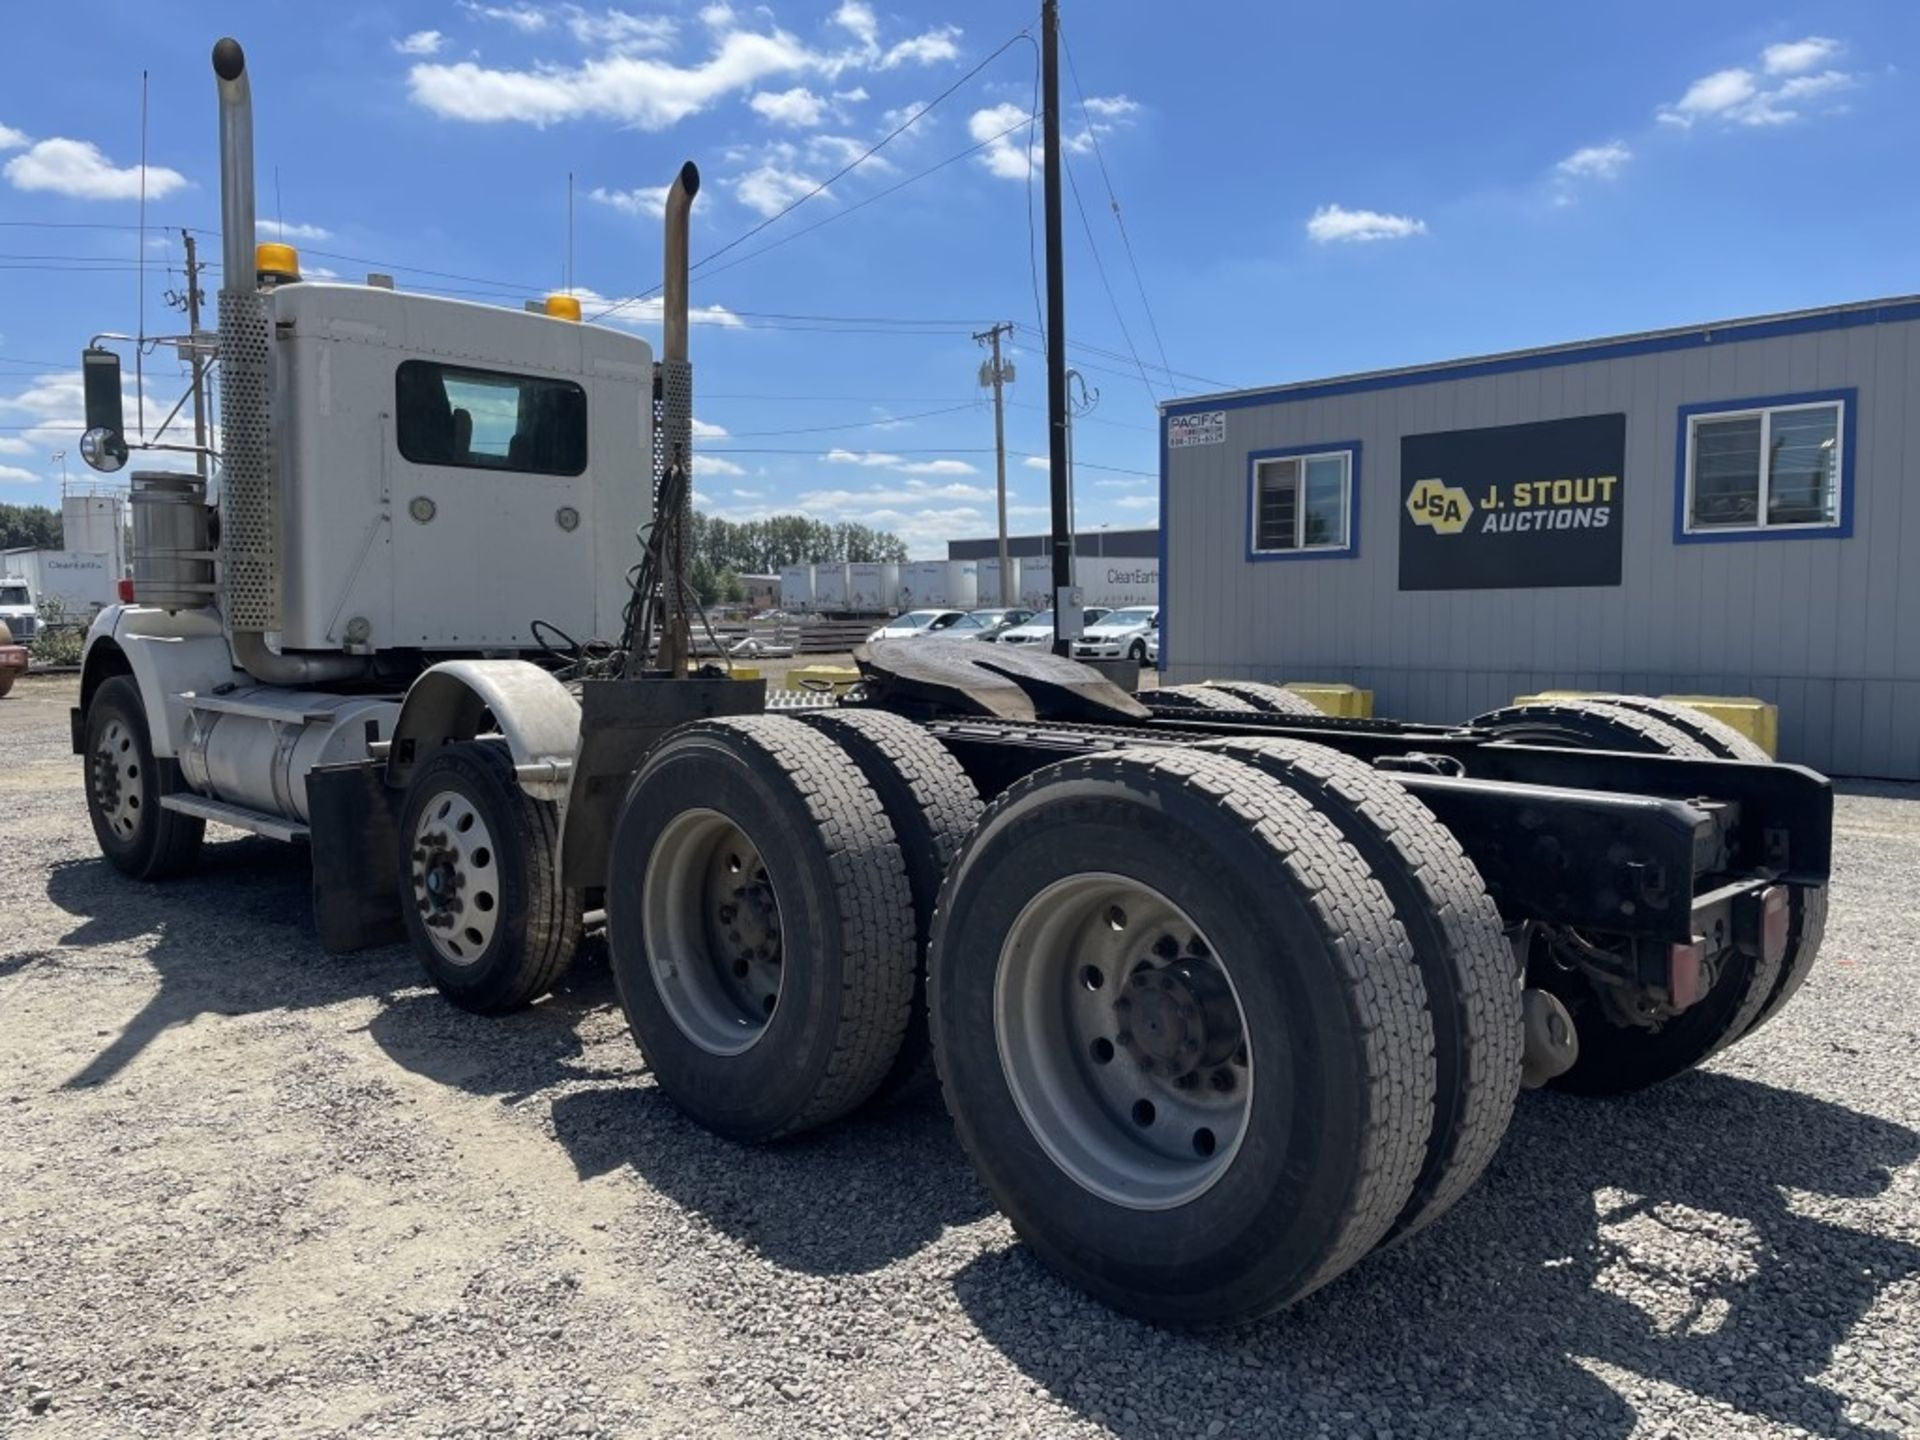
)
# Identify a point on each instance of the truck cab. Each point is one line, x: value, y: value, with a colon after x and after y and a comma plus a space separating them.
x: 16, y: 609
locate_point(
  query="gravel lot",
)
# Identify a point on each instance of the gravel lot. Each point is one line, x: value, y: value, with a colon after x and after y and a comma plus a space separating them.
x: 250, y: 1189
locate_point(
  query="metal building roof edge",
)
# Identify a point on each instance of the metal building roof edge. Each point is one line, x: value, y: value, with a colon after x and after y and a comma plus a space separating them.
x: 1891, y: 310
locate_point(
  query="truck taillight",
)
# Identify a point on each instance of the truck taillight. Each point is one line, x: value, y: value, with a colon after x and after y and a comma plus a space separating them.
x: 125, y: 589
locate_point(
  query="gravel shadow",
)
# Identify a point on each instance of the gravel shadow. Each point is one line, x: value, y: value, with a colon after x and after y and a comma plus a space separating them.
x: 233, y: 938
x: 847, y: 1199
x: 1489, y: 1320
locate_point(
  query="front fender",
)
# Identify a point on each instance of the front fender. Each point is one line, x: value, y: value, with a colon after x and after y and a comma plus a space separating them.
x: 168, y: 654
x: 533, y: 712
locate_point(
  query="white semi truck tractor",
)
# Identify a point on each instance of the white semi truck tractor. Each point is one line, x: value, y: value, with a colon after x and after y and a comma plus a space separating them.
x: 1222, y: 993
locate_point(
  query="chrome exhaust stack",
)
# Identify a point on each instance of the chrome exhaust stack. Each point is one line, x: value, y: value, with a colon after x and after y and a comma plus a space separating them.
x: 249, y: 510
x: 673, y: 494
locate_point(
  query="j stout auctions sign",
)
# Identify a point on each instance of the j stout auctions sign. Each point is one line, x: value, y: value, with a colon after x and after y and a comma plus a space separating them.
x: 1514, y: 506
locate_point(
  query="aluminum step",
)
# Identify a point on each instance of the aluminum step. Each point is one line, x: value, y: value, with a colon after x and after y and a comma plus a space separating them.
x: 274, y: 827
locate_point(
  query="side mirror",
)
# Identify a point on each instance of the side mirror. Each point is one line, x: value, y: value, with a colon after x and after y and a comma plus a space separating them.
x: 104, y: 445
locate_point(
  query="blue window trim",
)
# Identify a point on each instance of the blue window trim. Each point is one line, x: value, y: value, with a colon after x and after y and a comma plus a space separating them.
x: 1348, y: 551
x: 1849, y: 401
x: 1733, y: 332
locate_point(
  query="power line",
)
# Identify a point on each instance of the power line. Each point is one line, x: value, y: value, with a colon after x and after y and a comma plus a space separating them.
x: 839, y: 174
x: 1113, y: 202
x: 1100, y: 268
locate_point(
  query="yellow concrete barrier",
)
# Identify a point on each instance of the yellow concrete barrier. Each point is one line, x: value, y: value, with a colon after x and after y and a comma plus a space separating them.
x: 1755, y: 719
x: 812, y: 677
x: 1344, y: 702
x: 744, y: 672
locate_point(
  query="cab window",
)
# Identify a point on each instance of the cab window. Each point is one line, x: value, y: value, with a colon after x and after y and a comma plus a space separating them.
x: 490, y: 420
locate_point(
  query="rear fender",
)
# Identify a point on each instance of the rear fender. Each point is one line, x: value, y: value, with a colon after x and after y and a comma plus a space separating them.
x: 458, y: 700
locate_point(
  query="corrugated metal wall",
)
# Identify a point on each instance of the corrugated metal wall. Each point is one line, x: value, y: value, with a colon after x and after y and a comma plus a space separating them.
x: 1827, y: 629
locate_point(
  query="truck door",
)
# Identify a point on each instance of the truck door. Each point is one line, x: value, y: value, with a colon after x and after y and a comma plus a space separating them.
x: 488, y: 526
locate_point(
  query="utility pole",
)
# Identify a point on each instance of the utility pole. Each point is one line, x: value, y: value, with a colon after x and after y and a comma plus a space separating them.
x: 1056, y: 322
x: 196, y: 362
x: 996, y: 374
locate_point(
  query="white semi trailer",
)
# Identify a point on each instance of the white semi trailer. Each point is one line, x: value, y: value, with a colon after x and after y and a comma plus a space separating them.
x: 1222, y: 996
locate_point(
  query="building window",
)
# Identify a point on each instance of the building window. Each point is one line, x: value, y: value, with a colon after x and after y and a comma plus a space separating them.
x: 1303, y: 502
x: 490, y: 420
x: 1766, y: 468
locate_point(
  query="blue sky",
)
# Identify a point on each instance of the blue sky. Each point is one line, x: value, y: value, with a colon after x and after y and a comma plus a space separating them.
x: 1307, y: 190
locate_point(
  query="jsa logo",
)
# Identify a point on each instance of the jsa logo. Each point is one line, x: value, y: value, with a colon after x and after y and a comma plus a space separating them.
x: 1441, y: 507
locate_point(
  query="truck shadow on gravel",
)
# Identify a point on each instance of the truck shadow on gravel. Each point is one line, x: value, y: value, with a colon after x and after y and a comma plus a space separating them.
x: 233, y: 938
x: 1654, y: 1235
x: 848, y: 1199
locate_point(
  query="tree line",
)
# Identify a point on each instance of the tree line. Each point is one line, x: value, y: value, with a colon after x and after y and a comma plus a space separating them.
x: 29, y: 527
x: 762, y: 547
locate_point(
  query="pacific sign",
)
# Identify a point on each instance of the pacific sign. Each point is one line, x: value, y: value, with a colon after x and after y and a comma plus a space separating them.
x: 1513, y: 506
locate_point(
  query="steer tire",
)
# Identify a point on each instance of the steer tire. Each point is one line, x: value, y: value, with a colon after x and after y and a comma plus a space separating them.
x: 1272, y: 699
x: 933, y: 807
x: 1458, y: 941
x: 1198, y: 697
x: 1331, y: 1008
x: 1718, y: 736
x: 139, y: 837
x: 768, y: 797
x: 1592, y: 725
x: 517, y: 879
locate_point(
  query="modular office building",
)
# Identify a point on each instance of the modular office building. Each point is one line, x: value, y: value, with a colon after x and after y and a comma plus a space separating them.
x: 1731, y: 509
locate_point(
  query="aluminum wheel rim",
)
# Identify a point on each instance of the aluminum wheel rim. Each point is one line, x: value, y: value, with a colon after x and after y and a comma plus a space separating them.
x: 456, y: 877
x: 714, y: 937
x: 116, y: 779
x: 1123, y: 1041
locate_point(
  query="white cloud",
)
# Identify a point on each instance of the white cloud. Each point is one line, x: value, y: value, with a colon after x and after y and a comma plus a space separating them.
x: 937, y: 467
x: 1037, y: 462
x: 77, y: 168
x: 621, y: 33
x: 1006, y: 154
x: 928, y: 49
x: 14, y: 475
x: 1600, y: 162
x: 50, y: 408
x: 1137, y: 502
x: 421, y: 42
x: 852, y: 97
x: 524, y: 18
x: 645, y: 314
x: 1333, y: 224
x: 857, y: 18
x: 649, y: 200
x: 619, y: 82
x: 837, y: 456
x: 706, y: 430
x: 1739, y: 96
x: 645, y: 91
x: 711, y: 465
x: 1794, y: 56
x: 798, y: 107
x: 282, y: 230
x: 11, y: 139
x: 12, y: 445
x: 768, y: 189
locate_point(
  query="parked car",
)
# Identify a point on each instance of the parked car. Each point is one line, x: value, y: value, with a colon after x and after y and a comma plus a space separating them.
x: 916, y: 623
x: 1153, y: 646
x: 1123, y: 634
x: 987, y: 624
x: 1039, y: 630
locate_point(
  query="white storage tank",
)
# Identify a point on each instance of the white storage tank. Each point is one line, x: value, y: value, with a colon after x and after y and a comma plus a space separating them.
x: 96, y: 525
x: 940, y: 585
x: 873, y: 587
x: 830, y: 587
x: 796, y: 588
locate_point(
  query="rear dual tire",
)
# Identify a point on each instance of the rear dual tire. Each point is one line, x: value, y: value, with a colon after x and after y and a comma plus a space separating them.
x: 1259, y: 929
x: 1617, y: 1056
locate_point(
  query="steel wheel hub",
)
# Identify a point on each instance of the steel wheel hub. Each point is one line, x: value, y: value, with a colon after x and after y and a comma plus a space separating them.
x: 714, y: 937
x: 456, y: 880
x: 1123, y: 1041
x: 116, y: 779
